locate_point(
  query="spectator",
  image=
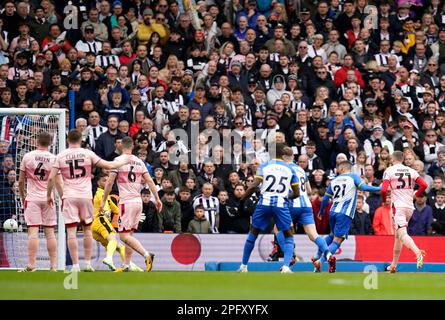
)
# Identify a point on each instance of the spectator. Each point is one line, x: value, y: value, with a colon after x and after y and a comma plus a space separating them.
x: 105, y: 142
x: 199, y: 223
x: 438, y: 224
x: 322, y: 224
x: 149, y: 218
x: 361, y: 224
x: 170, y: 216
x: 382, y: 223
x: 422, y: 219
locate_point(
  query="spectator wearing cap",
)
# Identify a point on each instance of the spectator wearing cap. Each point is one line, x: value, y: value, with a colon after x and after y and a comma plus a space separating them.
x: 147, y: 26
x: 100, y: 29
x: 422, y: 218
x: 20, y: 69
x: 409, y: 140
x: 277, y: 90
x: 377, y: 134
x: 289, y: 49
x: 236, y: 77
x: 111, y: 20
x: 89, y: 43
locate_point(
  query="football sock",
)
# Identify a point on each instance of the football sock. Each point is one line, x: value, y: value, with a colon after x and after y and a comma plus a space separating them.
x: 328, y: 239
x: 248, y: 247
x: 111, y: 247
x: 333, y: 247
x: 121, y: 251
x: 322, y: 245
x: 51, y: 246
x: 288, y: 250
x: 409, y: 243
x: 281, y: 240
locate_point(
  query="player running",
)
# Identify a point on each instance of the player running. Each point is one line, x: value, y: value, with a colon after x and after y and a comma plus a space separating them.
x: 75, y: 165
x: 103, y: 230
x: 35, y: 168
x: 129, y: 182
x: 343, y: 191
x: 301, y: 209
x: 277, y: 179
x: 401, y: 179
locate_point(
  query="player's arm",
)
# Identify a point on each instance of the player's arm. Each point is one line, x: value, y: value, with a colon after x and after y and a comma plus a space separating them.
x: 295, y: 191
x: 295, y: 184
x: 107, y: 189
x: 22, y: 185
x: 251, y: 190
x: 308, y: 187
x: 384, y: 191
x: 154, y: 192
x: 50, y: 187
x: 363, y: 186
x: 324, y: 202
x: 59, y: 185
x: 110, y: 165
x: 422, y: 186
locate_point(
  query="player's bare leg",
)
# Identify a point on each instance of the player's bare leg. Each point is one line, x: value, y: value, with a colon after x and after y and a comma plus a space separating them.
x: 130, y: 241
x: 88, y: 247
x: 71, y: 231
x: 409, y: 243
x: 397, y: 250
x: 33, y: 246
x: 51, y: 246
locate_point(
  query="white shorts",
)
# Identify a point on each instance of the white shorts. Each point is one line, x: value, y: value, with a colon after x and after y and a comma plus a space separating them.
x: 39, y: 213
x: 401, y: 216
x: 130, y: 215
x: 77, y: 210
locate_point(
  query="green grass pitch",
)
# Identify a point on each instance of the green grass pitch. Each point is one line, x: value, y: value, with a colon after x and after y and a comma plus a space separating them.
x: 220, y: 285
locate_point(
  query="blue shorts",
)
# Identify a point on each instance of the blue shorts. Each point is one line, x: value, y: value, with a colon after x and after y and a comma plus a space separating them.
x: 340, y: 224
x: 261, y: 217
x: 302, y: 215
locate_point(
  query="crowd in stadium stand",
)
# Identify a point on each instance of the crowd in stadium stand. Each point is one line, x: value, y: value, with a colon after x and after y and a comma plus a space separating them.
x: 336, y: 80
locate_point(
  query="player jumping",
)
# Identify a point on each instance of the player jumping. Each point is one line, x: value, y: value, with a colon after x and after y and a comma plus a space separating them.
x: 277, y: 179
x: 75, y: 165
x: 129, y: 182
x: 343, y: 191
x: 401, y: 179
x: 36, y: 167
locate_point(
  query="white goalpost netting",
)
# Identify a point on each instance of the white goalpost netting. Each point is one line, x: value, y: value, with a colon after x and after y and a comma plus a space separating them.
x: 19, y: 129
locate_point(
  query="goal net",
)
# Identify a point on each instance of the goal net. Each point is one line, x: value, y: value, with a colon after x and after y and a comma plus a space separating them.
x: 19, y: 129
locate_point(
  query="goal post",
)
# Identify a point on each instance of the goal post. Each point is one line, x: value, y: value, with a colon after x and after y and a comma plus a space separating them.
x: 20, y: 127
